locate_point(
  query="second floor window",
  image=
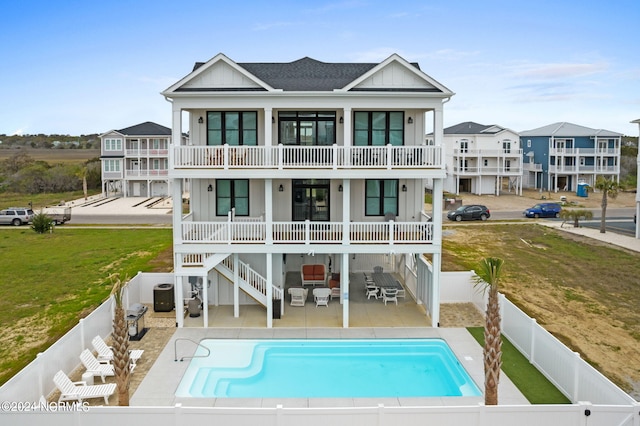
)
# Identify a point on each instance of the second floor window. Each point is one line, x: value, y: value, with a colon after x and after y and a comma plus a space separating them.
x: 232, y: 128
x: 378, y: 128
x: 506, y: 146
x: 381, y: 197
x: 111, y: 165
x: 232, y: 194
x: 113, y: 144
x: 307, y: 128
x: 464, y: 145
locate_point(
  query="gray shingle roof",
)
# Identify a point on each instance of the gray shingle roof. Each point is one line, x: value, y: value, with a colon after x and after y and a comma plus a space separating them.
x: 306, y: 74
x: 146, y: 129
x: 470, y: 128
x: 564, y: 129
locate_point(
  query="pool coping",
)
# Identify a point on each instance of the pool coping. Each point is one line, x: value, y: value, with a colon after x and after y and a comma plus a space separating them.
x: 164, y: 376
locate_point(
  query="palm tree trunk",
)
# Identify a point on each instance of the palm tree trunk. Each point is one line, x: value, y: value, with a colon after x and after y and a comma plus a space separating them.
x: 603, y: 218
x: 492, y: 348
x: 121, y: 355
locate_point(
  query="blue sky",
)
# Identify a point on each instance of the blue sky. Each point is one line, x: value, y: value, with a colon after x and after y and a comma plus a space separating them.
x: 80, y: 67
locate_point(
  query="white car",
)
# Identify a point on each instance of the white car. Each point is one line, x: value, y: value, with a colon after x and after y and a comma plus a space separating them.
x: 16, y: 216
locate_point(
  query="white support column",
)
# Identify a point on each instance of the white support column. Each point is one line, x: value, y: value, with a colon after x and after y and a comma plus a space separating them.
x: 346, y: 210
x: 437, y: 255
x: 268, y: 127
x: 344, y: 289
x: 346, y: 129
x: 205, y: 302
x: 236, y: 287
x: 269, y: 290
x: 268, y: 210
x: 179, y: 297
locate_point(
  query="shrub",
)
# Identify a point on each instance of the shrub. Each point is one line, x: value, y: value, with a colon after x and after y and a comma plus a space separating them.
x: 41, y: 223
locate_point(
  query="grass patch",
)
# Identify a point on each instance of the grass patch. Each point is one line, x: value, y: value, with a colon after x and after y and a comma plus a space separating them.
x: 533, y: 385
x: 14, y: 199
x: 51, y: 281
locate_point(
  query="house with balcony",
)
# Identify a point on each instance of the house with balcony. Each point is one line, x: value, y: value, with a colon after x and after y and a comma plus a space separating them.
x: 559, y: 156
x: 482, y: 159
x: 135, y: 161
x: 304, y: 163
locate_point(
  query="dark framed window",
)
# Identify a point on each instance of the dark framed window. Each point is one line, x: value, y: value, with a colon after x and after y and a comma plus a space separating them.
x: 232, y: 194
x: 232, y: 127
x: 381, y: 197
x: 307, y: 127
x: 378, y: 128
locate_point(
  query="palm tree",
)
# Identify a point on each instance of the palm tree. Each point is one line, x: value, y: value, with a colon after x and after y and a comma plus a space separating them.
x: 609, y: 188
x: 120, y: 342
x: 575, y: 215
x: 488, y: 276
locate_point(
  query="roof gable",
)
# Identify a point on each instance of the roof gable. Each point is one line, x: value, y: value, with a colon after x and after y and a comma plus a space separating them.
x: 218, y: 74
x: 396, y: 74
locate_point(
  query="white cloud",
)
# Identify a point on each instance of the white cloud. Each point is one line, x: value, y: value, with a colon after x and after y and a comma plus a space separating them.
x: 559, y: 70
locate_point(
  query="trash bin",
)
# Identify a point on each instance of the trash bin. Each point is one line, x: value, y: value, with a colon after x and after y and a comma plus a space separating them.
x: 582, y: 190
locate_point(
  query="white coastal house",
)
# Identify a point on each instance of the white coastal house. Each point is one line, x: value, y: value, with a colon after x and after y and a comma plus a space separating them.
x: 304, y: 163
x: 482, y: 159
x: 135, y: 161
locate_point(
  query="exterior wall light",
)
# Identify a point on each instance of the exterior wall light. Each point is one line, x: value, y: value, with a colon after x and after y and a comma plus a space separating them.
x: 281, y: 188
x: 200, y: 120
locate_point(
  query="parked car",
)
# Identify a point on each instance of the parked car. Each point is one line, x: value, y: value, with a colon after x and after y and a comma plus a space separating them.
x: 470, y: 212
x: 16, y: 216
x: 543, y: 210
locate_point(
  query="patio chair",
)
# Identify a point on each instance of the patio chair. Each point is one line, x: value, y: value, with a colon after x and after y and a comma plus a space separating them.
x: 389, y: 295
x: 321, y: 296
x: 298, y: 296
x: 378, y: 269
x: 105, y: 352
x: 78, y: 391
x: 95, y: 367
x: 372, y: 291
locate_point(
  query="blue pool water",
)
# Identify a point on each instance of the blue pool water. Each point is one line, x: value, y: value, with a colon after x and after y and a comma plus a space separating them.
x: 326, y: 368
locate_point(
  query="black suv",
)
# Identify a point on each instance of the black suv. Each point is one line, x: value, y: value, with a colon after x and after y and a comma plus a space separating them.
x: 16, y: 216
x: 470, y: 212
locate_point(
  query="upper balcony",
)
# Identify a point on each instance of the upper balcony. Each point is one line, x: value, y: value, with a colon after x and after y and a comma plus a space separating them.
x: 588, y: 152
x: 282, y: 157
x: 487, y: 153
x: 143, y: 152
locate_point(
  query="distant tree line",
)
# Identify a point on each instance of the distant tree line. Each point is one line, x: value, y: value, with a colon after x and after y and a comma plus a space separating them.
x: 50, y: 141
x: 20, y: 173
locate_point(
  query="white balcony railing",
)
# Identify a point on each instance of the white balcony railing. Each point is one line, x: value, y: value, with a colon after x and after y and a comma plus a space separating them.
x: 163, y: 152
x: 319, y: 157
x: 487, y: 170
x: 584, y: 169
x: 608, y: 152
x: 146, y: 173
x: 488, y: 153
x: 308, y: 232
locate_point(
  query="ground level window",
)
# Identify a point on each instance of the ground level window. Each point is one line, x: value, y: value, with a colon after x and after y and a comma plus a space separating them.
x: 381, y: 197
x: 232, y: 194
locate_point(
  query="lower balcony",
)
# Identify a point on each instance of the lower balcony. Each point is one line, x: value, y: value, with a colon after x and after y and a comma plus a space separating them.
x: 307, y: 232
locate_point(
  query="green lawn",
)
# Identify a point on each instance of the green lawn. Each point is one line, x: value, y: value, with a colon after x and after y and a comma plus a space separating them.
x: 50, y: 281
x: 533, y: 385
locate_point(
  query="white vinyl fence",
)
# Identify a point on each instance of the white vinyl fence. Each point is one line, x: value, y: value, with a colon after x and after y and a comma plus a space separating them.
x: 607, y: 405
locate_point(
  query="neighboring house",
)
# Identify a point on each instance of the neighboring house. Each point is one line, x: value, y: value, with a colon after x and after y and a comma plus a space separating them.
x: 559, y: 156
x: 135, y: 161
x: 304, y: 162
x: 637, y: 215
x: 482, y: 159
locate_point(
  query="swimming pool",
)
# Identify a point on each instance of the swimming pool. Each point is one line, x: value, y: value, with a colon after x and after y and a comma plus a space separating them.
x: 325, y: 368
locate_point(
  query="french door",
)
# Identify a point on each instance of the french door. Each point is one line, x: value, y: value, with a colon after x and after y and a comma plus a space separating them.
x: 311, y: 200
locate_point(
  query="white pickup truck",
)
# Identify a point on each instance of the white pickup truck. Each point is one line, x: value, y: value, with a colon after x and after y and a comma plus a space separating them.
x: 59, y: 214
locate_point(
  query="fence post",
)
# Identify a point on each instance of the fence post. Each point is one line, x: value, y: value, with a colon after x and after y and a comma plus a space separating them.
x: 533, y: 329
x: 576, y: 376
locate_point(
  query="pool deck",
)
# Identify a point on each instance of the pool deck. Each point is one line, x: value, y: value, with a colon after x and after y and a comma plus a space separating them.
x: 158, y: 385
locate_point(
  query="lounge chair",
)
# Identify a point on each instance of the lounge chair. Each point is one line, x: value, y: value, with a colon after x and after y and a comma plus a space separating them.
x: 105, y: 352
x: 389, y: 295
x: 321, y: 296
x: 95, y: 367
x: 78, y: 391
x: 298, y: 296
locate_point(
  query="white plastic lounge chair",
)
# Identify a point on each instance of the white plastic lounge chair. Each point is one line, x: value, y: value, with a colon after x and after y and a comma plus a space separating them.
x: 389, y: 295
x: 95, y: 367
x: 321, y: 296
x: 78, y: 391
x: 298, y: 296
x: 105, y: 352
x: 372, y: 291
